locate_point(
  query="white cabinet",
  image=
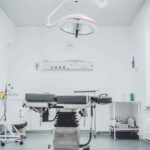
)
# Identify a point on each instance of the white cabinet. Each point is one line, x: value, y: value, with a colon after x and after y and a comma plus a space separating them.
x: 102, y: 118
x: 120, y: 112
x: 145, y: 124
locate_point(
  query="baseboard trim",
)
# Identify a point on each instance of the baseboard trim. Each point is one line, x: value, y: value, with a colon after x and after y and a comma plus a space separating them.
x: 103, y: 132
x: 145, y: 140
x: 82, y: 131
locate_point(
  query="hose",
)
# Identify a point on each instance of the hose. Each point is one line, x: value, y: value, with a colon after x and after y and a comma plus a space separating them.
x: 90, y: 137
x: 53, y: 119
x: 4, y: 112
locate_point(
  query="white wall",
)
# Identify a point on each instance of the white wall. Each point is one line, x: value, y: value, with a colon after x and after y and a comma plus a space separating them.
x: 7, y: 32
x: 7, y: 29
x: 140, y: 30
x: 109, y: 48
x: 138, y: 41
x: 147, y: 51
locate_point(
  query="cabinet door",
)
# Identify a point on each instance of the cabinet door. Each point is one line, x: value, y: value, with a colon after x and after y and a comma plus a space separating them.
x: 145, y: 124
x: 102, y: 117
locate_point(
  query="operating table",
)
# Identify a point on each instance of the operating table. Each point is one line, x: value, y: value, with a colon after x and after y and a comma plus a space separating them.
x: 66, y: 132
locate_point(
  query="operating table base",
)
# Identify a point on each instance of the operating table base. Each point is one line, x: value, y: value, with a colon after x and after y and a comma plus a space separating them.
x: 66, y: 138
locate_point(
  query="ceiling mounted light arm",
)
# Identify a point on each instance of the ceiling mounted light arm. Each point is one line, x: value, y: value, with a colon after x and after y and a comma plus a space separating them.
x: 101, y: 3
x: 77, y: 30
x: 49, y: 23
x: 76, y: 24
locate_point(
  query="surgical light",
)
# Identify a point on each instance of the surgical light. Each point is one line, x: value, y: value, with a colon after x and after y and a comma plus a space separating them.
x: 76, y: 24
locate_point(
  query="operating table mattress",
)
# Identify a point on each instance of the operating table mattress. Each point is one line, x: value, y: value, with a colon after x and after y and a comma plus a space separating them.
x: 59, y: 99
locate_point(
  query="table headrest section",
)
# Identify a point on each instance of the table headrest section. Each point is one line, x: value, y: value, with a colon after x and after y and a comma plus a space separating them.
x: 32, y: 97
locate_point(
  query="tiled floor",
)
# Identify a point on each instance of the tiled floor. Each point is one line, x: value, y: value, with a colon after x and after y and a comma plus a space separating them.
x: 40, y: 141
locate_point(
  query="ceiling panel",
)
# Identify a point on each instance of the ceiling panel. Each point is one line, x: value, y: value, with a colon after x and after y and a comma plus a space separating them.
x: 35, y: 12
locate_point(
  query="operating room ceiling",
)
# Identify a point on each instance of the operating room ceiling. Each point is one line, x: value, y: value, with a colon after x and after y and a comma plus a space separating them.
x: 35, y: 12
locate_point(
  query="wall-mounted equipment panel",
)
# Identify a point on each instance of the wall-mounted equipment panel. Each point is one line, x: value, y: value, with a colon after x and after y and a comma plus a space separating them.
x: 68, y: 65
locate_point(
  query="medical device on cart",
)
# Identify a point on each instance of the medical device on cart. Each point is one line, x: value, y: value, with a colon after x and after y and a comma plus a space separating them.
x: 8, y: 131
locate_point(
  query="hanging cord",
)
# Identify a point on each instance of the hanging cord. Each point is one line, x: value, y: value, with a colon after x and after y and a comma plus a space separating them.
x: 53, y: 118
x: 4, y: 105
x: 90, y: 136
x: 3, y: 111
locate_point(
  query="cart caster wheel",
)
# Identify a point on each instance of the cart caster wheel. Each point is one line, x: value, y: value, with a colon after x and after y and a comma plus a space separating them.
x: 16, y: 141
x: 49, y: 146
x: 2, y: 144
x: 21, y: 143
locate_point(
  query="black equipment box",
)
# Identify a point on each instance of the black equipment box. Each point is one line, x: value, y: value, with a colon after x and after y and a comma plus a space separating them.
x: 126, y: 135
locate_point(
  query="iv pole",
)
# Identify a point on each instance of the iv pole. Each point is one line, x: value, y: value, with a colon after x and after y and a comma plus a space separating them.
x: 10, y: 131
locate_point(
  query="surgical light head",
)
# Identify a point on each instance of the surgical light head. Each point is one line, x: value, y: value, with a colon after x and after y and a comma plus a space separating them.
x: 76, y: 24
